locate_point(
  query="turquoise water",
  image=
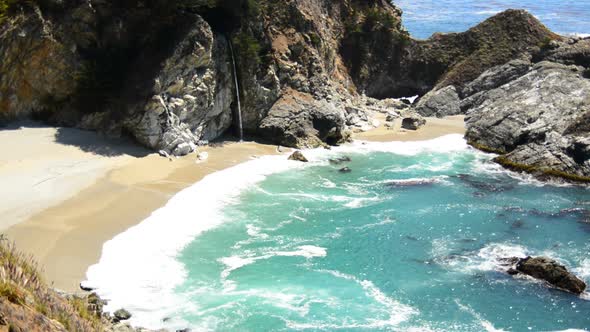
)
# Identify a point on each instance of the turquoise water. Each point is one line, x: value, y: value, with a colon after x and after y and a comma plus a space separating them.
x: 314, y: 249
x: 424, y: 17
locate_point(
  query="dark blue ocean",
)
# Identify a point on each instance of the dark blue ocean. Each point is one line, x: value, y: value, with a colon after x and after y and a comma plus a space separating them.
x: 423, y: 18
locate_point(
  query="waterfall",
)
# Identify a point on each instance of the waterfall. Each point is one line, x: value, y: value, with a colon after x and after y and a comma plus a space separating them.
x: 233, y: 59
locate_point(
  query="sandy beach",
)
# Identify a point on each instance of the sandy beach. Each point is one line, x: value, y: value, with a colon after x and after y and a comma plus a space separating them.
x: 65, y: 191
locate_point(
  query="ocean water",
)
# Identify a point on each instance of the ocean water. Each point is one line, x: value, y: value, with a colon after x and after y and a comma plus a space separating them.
x: 409, y: 240
x: 422, y: 18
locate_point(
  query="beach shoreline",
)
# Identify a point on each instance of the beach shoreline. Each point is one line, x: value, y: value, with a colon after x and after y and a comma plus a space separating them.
x: 66, y: 234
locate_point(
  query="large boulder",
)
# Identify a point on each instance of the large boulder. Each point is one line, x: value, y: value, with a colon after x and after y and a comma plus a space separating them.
x: 298, y: 156
x: 413, y: 122
x: 121, y: 314
x: 439, y: 103
x: 299, y: 120
x: 537, y: 121
x: 551, y: 271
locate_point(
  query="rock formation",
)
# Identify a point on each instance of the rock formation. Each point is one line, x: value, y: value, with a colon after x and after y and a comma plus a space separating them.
x: 548, y: 270
x: 298, y: 156
x: 533, y: 110
x: 160, y: 72
x: 413, y: 122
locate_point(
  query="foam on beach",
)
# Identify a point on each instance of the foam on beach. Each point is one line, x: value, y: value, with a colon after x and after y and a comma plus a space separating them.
x: 139, y: 269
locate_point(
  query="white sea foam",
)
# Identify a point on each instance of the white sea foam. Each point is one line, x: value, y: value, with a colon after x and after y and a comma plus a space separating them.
x: 487, y: 12
x: 487, y: 325
x: 233, y: 263
x: 396, y: 311
x: 443, y: 144
x: 488, y: 258
x: 579, y: 35
x: 139, y: 270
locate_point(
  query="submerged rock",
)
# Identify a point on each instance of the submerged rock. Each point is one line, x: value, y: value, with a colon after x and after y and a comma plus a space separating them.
x: 548, y: 270
x: 411, y: 183
x: 340, y: 160
x: 345, y: 170
x: 298, y: 156
x: 413, y: 122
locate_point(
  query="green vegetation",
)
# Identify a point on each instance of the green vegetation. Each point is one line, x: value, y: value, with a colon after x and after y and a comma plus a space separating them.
x: 22, y: 286
x: 5, y: 6
x: 248, y: 49
x: 376, y: 19
x: 315, y: 39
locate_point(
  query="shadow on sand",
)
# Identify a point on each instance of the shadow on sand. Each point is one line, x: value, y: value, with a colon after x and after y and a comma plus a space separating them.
x: 87, y: 141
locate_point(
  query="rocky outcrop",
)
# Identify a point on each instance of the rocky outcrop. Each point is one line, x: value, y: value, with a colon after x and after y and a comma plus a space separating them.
x: 38, y: 68
x: 404, y: 67
x: 160, y: 71
x: 413, y: 122
x: 537, y: 121
x: 298, y: 156
x: 192, y: 95
x: 299, y: 120
x: 532, y: 111
x: 439, y: 103
x: 551, y: 271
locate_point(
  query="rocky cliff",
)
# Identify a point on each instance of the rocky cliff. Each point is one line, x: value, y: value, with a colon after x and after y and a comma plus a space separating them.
x: 161, y: 72
x: 534, y: 111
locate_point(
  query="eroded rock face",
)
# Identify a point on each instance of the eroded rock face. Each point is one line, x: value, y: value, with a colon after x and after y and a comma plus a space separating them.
x: 161, y: 72
x: 538, y: 121
x: 439, y: 103
x: 532, y: 111
x: 549, y: 270
x: 300, y: 120
x: 38, y: 68
x: 193, y: 92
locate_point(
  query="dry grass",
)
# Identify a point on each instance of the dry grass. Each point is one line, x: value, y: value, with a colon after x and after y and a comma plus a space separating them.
x: 21, y: 285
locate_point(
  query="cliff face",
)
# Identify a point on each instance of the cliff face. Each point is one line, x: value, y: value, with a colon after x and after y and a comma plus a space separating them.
x: 533, y: 111
x: 161, y: 71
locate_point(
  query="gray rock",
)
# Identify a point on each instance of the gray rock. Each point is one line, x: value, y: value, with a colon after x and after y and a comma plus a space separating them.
x: 497, y: 76
x: 413, y: 122
x: 575, y: 51
x: 121, y: 314
x: 298, y: 120
x: 539, y: 121
x: 192, y: 95
x: 439, y: 103
x: 392, y: 116
x: 340, y: 160
x: 551, y: 271
x: 298, y: 156
x: 345, y: 170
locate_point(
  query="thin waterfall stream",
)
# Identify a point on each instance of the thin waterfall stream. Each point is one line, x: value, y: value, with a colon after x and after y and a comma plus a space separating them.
x: 233, y: 59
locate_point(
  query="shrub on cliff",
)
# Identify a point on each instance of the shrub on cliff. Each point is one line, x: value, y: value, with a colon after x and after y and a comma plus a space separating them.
x: 28, y: 304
